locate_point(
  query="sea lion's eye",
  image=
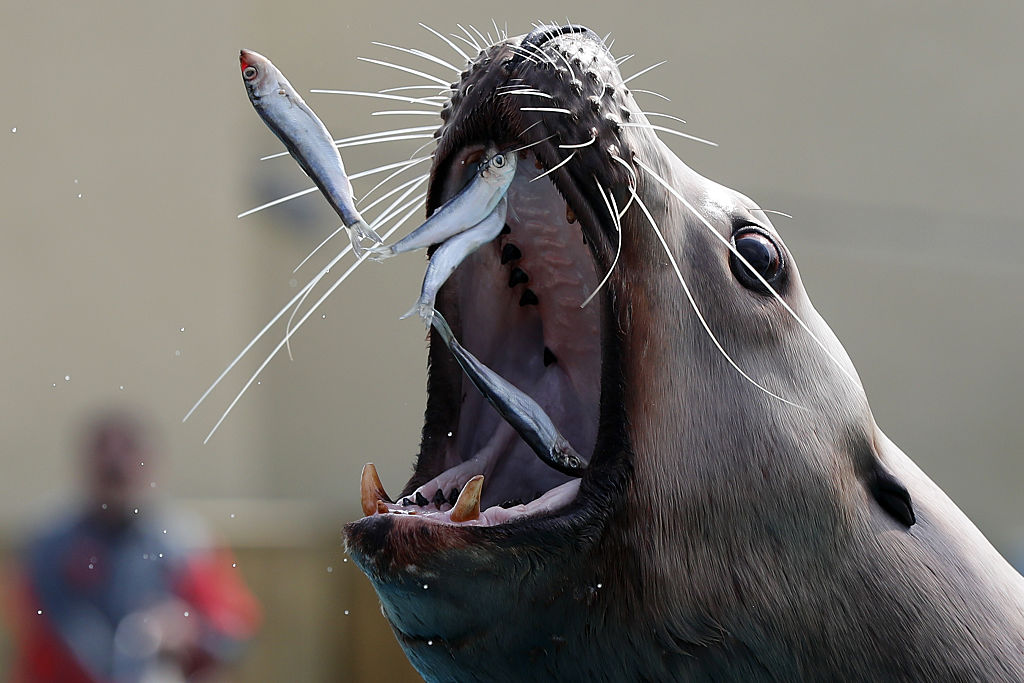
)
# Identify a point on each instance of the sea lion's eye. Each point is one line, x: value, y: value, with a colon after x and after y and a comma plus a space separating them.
x: 763, y: 255
x: 498, y: 161
x: 249, y: 73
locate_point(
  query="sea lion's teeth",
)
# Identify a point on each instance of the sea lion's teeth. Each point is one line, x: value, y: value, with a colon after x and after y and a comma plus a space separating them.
x: 439, y: 498
x: 518, y: 276
x: 505, y: 230
x: 549, y: 357
x: 570, y: 215
x: 382, y: 507
x: 467, y: 507
x: 406, y: 502
x: 421, y: 500
x: 510, y: 252
x: 370, y: 489
x: 528, y: 298
x: 453, y: 496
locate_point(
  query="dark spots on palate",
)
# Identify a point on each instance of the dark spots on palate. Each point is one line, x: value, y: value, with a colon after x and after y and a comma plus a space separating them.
x: 517, y: 277
x: 421, y: 500
x: 510, y: 252
x: 549, y: 357
x: 505, y: 230
x: 528, y: 298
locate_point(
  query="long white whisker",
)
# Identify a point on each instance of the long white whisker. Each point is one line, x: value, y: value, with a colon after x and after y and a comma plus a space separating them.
x: 326, y: 240
x: 380, y: 95
x: 281, y: 343
x: 651, y: 126
x: 422, y: 74
x: 388, y: 214
x: 390, y: 193
x: 472, y: 41
x: 777, y: 213
x: 588, y: 143
x: 344, y: 142
x: 667, y: 116
x: 497, y: 31
x: 483, y: 40
x: 616, y: 216
x: 445, y: 39
x: 643, y: 71
x: 557, y: 166
x: 527, y: 146
x: 422, y: 54
x: 406, y: 166
x: 535, y: 93
x: 649, y: 92
x: 696, y: 308
x: 622, y: 60
x: 404, y: 112
x: 556, y: 110
x: 402, y: 88
x: 282, y: 200
x: 744, y: 261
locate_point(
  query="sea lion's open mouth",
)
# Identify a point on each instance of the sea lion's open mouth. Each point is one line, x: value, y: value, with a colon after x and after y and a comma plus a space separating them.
x: 517, y: 303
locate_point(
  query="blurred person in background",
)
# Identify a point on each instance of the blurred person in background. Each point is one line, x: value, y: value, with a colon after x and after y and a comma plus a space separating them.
x: 126, y: 588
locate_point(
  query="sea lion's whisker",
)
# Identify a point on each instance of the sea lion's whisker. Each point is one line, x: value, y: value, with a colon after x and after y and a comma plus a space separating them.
x: 280, y: 200
x: 497, y: 31
x: 531, y: 144
x: 696, y: 308
x: 422, y: 74
x: 377, y: 137
x: 534, y: 93
x: 471, y: 42
x: 616, y: 219
x: 288, y: 336
x: 777, y: 213
x: 485, y: 41
x: 392, y: 192
x: 405, y: 165
x: 554, y: 110
x: 557, y: 166
x: 606, y: 37
x: 650, y: 92
x: 667, y: 116
x: 643, y: 71
x: 317, y: 248
x: 579, y: 145
x: 652, y: 126
x: 529, y: 55
x: 446, y: 40
x: 675, y: 193
x: 380, y: 95
x: 404, y: 112
x: 416, y: 87
x: 421, y: 54
x: 622, y: 60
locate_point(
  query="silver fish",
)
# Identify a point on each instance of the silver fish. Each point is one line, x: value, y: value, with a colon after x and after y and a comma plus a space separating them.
x: 453, y: 251
x: 463, y: 211
x: 306, y: 138
x: 523, y: 413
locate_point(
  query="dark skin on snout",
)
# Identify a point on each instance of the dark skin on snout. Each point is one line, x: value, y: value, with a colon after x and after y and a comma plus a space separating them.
x: 740, y: 526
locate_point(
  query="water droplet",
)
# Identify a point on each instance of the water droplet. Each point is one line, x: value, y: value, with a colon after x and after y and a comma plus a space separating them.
x: 79, y: 195
x: 449, y: 433
x: 186, y: 613
x: 177, y: 352
x: 145, y: 556
x: 324, y: 316
x: 121, y: 387
x: 15, y: 130
x: 91, y: 565
x: 152, y: 484
x: 259, y: 381
x: 103, y: 506
x: 425, y: 586
x: 234, y: 564
x: 76, y: 181
x: 136, y: 510
x: 430, y: 642
x: 160, y: 554
x: 344, y: 559
x: 182, y: 329
x: 54, y: 385
x: 293, y: 283
x: 232, y: 515
x: 598, y: 585
x: 165, y: 531
x: 330, y: 570
x: 346, y: 612
x: 67, y: 378
x: 142, y: 464
x: 39, y: 611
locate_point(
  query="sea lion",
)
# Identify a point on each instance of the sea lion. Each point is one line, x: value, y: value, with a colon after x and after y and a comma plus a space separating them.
x: 741, y: 518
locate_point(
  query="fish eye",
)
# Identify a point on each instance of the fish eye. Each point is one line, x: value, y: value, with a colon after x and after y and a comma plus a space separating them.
x: 763, y: 255
x: 498, y: 160
x: 249, y: 73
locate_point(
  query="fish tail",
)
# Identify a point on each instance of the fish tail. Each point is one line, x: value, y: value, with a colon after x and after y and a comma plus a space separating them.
x: 381, y: 252
x: 421, y: 308
x: 365, y: 232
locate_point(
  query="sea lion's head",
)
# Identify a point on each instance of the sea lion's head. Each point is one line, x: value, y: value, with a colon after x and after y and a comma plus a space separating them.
x: 732, y: 453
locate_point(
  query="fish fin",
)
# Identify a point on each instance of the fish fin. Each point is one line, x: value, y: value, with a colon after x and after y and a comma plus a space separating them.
x: 357, y: 246
x: 423, y: 310
x: 365, y: 232
x: 381, y: 252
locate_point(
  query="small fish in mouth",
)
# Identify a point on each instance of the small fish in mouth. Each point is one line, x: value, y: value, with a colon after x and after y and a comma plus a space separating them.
x: 465, y: 210
x: 306, y: 138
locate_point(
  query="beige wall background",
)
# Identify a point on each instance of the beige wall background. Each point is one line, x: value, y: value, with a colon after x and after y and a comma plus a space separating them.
x: 891, y: 132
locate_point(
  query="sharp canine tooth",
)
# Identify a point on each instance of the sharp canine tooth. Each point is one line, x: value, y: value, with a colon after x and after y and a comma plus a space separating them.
x: 371, y: 490
x: 510, y: 252
x: 421, y: 500
x: 467, y: 507
x: 517, y: 277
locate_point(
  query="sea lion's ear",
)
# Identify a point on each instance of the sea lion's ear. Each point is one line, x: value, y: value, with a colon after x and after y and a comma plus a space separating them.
x: 892, y: 496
